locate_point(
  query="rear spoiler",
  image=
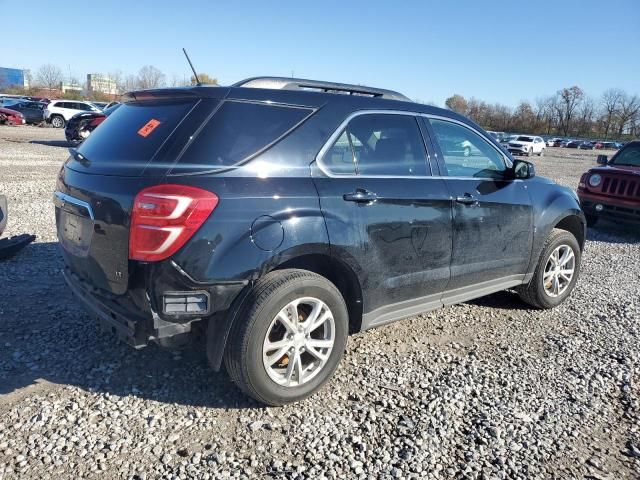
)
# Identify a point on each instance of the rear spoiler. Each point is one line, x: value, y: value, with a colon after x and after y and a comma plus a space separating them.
x: 158, y: 93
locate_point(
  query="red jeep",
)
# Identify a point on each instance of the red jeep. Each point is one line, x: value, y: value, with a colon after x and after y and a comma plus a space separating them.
x: 613, y: 189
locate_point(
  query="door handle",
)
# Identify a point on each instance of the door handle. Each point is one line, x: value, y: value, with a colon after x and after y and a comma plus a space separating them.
x: 360, y: 196
x: 467, y: 199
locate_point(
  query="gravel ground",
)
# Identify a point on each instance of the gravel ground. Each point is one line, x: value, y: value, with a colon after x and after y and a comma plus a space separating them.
x: 486, y: 389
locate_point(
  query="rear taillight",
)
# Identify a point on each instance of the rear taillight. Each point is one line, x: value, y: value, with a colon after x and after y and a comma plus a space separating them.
x: 165, y: 217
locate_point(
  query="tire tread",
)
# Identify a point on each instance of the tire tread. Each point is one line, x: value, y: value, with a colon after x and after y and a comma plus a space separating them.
x: 237, y: 343
x: 530, y: 292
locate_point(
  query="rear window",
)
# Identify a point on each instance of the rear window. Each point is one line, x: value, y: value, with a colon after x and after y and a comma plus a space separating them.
x: 134, y: 132
x: 237, y: 131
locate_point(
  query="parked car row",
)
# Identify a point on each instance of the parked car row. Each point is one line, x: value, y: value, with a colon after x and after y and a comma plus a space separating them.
x: 33, y: 110
x: 80, y: 126
x: 584, y: 144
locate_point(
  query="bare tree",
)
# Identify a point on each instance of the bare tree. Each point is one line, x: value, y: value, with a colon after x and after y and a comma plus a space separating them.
x: 568, y: 101
x: 49, y: 76
x: 628, y: 112
x: 545, y: 113
x: 586, y: 113
x: 523, y: 117
x: 130, y: 83
x: 116, y: 77
x: 150, y: 77
x: 610, y: 106
x: 179, y: 81
x: 28, y: 79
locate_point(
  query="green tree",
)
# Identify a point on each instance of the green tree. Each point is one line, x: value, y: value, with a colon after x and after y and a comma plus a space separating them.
x: 205, y: 79
x: 457, y: 103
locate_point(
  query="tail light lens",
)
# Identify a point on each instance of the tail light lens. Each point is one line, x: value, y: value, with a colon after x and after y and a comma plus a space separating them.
x: 165, y: 217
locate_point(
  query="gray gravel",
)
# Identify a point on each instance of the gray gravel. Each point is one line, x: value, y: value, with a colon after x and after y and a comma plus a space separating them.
x: 487, y: 389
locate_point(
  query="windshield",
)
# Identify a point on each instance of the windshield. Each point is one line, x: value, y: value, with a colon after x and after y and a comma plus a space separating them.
x: 525, y: 139
x: 629, y: 156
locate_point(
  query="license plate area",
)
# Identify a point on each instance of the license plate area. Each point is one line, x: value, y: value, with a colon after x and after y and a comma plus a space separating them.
x: 74, y: 232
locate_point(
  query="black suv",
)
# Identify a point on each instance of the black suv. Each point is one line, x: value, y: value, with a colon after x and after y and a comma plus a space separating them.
x: 277, y: 215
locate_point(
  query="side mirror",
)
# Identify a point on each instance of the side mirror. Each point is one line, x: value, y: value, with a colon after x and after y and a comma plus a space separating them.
x: 602, y: 160
x: 523, y: 169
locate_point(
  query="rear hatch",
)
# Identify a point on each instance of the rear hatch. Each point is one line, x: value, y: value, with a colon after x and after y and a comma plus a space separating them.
x: 99, y: 181
x: 155, y: 136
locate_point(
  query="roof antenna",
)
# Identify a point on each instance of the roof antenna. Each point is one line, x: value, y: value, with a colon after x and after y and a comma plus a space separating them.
x: 195, y: 75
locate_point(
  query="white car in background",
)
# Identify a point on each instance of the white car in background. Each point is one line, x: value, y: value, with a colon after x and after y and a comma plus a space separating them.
x: 527, y: 145
x: 58, y: 112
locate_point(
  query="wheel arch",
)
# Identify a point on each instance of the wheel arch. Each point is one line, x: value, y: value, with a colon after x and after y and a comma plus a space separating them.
x: 574, y: 224
x: 337, y: 272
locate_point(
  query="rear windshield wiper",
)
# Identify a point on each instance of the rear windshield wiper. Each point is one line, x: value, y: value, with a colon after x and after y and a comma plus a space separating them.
x: 79, y: 157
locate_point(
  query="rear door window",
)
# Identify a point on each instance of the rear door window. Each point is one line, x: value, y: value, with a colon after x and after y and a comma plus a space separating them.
x: 238, y: 131
x: 132, y: 134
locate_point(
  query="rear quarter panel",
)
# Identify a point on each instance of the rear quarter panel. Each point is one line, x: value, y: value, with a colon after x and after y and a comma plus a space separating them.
x: 269, y: 211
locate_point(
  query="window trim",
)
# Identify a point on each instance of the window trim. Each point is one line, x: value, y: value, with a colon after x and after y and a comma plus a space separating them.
x: 343, y: 127
x: 429, y: 144
x: 444, y: 173
x: 245, y: 160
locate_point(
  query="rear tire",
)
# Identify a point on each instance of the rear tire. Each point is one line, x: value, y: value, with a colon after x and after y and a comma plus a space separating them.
x: 247, y: 354
x: 539, y: 291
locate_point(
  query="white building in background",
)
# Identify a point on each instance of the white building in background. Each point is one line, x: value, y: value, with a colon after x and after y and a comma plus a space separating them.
x: 101, y: 83
x: 70, y: 87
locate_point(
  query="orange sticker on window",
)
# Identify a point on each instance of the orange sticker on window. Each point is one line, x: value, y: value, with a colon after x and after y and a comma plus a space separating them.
x: 149, y: 127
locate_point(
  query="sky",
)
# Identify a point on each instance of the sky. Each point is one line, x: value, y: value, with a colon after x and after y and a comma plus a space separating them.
x: 497, y: 51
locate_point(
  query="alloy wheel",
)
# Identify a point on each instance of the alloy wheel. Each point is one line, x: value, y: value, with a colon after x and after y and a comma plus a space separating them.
x: 559, y: 270
x: 298, y: 342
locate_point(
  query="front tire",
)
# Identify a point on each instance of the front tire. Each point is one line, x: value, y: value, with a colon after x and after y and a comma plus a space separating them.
x: 289, y: 338
x: 557, y: 271
x: 530, y: 152
x: 541, y: 154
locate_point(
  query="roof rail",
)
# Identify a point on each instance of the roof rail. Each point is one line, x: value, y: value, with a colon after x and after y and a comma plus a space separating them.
x: 284, y: 83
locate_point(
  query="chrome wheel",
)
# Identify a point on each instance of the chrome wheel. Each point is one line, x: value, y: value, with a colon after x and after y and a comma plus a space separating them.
x: 298, y: 342
x: 559, y: 271
x: 57, y: 122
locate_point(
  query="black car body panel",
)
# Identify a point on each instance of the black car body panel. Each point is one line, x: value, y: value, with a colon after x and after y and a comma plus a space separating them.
x: 399, y: 245
x: 33, y: 112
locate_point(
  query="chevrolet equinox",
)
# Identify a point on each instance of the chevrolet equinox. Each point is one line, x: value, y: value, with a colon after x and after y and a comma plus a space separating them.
x: 278, y: 215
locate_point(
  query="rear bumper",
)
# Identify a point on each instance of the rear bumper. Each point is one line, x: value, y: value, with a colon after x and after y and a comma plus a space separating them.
x: 137, y: 326
x: 133, y: 329
x: 621, y: 211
